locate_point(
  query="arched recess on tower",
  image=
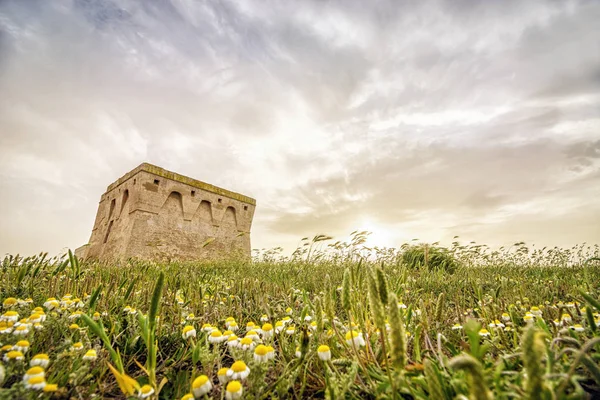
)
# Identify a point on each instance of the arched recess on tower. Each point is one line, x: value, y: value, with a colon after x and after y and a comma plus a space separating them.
x: 113, y: 204
x: 204, y: 212
x: 230, y: 218
x: 124, y: 202
x: 173, y: 206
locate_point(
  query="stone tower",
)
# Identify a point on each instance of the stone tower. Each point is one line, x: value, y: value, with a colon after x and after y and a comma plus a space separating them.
x: 154, y: 214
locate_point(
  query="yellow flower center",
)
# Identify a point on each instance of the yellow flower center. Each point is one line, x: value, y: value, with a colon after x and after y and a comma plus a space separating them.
x: 35, y: 380
x: 261, y: 350
x: 51, y: 387
x: 239, y: 366
x: 14, y: 354
x: 246, y: 341
x: 323, y: 348
x: 35, y: 370
x: 234, y: 386
x: 146, y: 389
x: 351, y: 335
x: 199, y: 381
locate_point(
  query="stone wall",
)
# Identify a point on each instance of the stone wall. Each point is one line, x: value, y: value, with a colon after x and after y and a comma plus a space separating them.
x: 151, y: 213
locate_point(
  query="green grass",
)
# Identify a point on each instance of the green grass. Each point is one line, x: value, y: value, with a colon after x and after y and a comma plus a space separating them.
x: 411, y: 352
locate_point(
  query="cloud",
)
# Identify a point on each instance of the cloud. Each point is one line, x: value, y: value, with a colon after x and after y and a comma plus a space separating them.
x: 430, y: 118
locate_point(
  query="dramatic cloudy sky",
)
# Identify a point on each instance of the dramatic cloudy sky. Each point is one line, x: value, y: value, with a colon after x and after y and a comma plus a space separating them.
x: 413, y: 119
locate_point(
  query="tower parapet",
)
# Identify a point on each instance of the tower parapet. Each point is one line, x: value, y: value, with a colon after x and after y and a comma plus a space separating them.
x: 154, y: 214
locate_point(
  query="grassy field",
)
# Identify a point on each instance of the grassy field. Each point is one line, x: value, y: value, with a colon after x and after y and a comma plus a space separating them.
x: 334, y: 321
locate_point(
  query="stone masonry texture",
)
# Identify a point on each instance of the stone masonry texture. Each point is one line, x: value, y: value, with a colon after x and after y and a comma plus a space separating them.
x: 154, y: 214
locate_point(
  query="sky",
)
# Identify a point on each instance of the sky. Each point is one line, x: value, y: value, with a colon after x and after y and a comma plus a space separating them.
x: 410, y: 119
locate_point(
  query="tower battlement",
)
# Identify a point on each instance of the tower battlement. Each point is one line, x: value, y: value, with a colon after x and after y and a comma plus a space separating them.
x: 154, y: 214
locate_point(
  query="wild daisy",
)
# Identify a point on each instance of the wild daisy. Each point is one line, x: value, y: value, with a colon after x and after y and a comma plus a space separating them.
x: 566, y: 318
x: 201, y: 386
x: 51, y: 303
x: 354, y: 338
x: 238, y: 371
x: 13, y: 355
x: 227, y: 334
x: 298, y: 353
x: 289, y: 311
x: 252, y: 335
x: 37, y: 383
x: 188, y: 332
x: 216, y: 336
x: 96, y: 316
x: 34, y: 372
x: 456, y: 327
x: 77, y: 346
x: 21, y: 330
x: 261, y: 353
x: 208, y: 328
x: 222, y: 375
x: 188, y: 396
x: 12, y: 316
x: 250, y: 326
x: 9, y: 302
x: 234, y: 390
x: 6, y: 327
x: 278, y: 326
x: 246, y: 344
x: 233, y: 341
x: 324, y: 352
x: 536, y: 312
x: 41, y: 360
x: 484, y: 332
x: 577, y: 328
x: 145, y: 391
x: 264, y: 318
x: 505, y: 317
x: 22, y: 345
x: 73, y: 327
x: 290, y: 330
x: 233, y: 326
x: 34, y: 318
x: 90, y: 355
x: 267, y: 331
x: 496, y: 324
x: 270, y: 352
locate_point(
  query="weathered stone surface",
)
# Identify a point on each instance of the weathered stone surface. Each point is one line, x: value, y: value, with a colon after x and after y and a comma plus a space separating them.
x: 154, y: 214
